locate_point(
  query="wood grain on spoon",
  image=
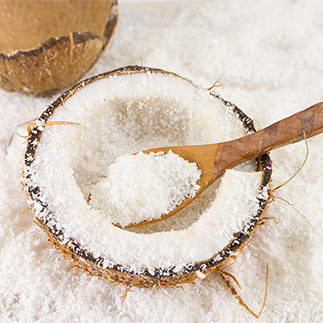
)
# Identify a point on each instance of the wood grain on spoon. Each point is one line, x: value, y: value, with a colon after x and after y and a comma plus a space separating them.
x: 214, y: 159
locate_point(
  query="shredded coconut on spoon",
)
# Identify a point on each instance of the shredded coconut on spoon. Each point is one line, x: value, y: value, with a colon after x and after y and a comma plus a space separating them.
x: 143, y: 187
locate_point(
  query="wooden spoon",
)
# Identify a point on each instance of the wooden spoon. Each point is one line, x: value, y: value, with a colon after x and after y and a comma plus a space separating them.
x: 214, y: 159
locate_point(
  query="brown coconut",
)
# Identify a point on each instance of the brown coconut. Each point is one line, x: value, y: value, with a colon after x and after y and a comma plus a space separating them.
x: 85, y: 260
x: 48, y: 45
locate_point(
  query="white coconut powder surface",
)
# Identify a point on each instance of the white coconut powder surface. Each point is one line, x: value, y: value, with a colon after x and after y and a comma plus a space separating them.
x: 269, y: 57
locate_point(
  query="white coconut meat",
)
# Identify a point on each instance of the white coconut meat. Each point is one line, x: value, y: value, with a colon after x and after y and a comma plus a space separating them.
x: 124, y: 114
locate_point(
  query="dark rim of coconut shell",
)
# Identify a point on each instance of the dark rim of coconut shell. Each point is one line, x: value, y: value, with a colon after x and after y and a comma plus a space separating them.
x: 264, y: 164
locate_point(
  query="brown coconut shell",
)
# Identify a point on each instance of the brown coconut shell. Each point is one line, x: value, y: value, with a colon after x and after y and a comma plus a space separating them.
x: 159, y: 277
x: 48, y: 45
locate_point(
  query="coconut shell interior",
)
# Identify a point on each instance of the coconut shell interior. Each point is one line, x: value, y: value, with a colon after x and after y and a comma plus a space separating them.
x: 159, y: 277
x: 48, y: 45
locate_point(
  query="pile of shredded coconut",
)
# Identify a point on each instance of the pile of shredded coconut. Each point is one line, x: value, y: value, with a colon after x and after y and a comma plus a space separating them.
x: 143, y: 187
x: 268, y: 55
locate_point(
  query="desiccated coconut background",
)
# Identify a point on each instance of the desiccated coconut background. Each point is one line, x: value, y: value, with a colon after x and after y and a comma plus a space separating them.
x: 269, y: 57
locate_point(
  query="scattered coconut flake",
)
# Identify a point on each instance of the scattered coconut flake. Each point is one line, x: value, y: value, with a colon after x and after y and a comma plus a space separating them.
x: 199, y: 274
x: 143, y: 187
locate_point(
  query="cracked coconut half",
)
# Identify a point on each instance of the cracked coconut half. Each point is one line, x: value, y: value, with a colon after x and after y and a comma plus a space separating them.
x: 120, y: 113
x: 48, y: 45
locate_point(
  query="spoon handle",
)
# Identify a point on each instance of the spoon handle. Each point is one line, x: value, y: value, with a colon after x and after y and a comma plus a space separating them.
x: 284, y: 132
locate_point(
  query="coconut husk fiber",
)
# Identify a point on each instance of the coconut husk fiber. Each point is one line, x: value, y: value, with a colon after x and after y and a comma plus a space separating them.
x: 158, y: 277
x: 48, y: 45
